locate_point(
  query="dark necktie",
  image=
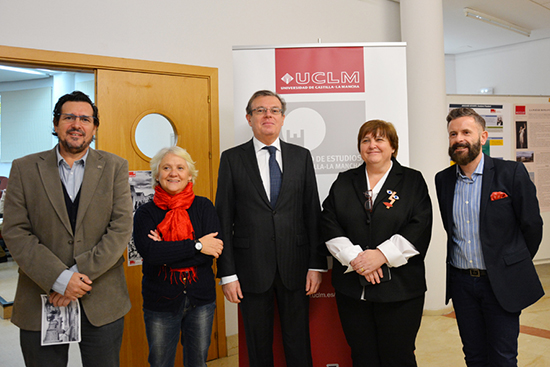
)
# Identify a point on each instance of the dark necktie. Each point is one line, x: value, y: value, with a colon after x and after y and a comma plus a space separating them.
x: 274, y: 175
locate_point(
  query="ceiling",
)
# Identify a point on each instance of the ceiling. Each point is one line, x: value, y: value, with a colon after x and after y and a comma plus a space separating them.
x: 464, y: 34
x: 461, y: 34
x: 31, y: 74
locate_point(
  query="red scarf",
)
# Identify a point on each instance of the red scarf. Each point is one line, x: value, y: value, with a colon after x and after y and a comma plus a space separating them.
x: 176, y: 225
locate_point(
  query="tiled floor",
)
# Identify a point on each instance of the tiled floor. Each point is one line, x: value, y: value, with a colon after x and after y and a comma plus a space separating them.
x: 438, y: 343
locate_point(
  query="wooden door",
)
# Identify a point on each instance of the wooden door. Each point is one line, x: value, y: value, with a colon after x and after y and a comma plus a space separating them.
x: 123, y: 99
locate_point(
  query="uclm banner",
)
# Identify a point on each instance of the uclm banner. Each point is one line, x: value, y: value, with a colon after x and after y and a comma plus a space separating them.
x: 319, y: 70
x: 330, y: 90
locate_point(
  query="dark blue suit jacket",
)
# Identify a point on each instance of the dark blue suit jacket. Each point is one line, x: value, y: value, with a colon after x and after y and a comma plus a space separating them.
x: 259, y: 240
x: 510, y: 230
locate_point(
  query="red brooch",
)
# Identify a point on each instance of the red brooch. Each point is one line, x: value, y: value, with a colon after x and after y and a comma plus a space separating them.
x: 497, y: 195
x: 392, y: 198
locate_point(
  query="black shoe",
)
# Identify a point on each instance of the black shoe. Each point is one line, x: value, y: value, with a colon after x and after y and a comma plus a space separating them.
x: 3, y: 259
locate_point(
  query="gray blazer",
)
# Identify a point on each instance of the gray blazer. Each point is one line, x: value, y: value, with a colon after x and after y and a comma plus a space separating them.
x: 38, y: 233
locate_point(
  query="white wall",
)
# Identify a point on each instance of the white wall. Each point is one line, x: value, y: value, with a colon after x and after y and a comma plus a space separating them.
x: 25, y: 130
x: 450, y: 74
x: 22, y: 86
x: 194, y: 32
x: 520, y: 69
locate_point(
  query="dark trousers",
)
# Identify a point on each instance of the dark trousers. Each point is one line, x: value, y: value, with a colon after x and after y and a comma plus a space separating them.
x: 2, y: 251
x: 258, y: 312
x: 100, y: 346
x: 489, y: 333
x: 380, y: 334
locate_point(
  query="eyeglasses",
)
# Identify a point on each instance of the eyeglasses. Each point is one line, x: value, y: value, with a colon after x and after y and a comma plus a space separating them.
x: 368, y: 202
x: 263, y: 110
x: 71, y: 118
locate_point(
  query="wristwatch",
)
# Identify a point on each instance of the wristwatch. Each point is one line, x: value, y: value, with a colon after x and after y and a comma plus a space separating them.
x: 198, y: 245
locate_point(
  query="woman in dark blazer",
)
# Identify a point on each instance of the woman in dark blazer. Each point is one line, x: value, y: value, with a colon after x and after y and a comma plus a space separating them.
x: 377, y: 223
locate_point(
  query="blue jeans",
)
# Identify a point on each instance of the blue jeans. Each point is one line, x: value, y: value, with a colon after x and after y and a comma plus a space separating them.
x: 489, y: 333
x: 163, y: 331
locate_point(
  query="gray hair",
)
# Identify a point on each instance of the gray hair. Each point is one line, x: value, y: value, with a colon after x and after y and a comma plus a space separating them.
x: 180, y: 152
x: 265, y: 93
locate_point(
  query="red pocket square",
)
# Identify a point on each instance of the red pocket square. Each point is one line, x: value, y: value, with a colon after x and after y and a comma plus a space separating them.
x: 497, y: 195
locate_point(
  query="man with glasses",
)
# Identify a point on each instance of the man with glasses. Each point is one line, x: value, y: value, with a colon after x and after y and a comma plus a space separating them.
x: 68, y: 219
x: 268, y: 205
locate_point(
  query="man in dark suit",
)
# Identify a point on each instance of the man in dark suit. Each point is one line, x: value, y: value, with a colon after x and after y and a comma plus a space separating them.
x: 68, y: 219
x: 491, y: 214
x: 270, y: 231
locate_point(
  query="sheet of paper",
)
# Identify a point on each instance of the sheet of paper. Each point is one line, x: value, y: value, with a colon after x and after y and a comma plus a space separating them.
x: 60, y: 325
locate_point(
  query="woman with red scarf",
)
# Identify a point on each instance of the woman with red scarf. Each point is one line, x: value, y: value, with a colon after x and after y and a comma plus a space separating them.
x: 176, y: 234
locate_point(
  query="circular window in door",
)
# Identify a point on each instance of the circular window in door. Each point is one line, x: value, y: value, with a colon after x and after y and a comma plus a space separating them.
x: 154, y: 132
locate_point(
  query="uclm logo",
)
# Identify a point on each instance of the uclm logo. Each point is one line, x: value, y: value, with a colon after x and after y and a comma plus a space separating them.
x: 520, y: 110
x: 321, y: 78
x: 319, y: 70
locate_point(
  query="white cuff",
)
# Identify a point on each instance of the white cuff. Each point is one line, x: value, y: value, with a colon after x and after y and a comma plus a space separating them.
x: 344, y: 251
x: 229, y: 279
x: 397, y: 250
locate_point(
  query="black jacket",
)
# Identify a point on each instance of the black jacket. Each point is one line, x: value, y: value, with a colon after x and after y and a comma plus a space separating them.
x: 344, y: 215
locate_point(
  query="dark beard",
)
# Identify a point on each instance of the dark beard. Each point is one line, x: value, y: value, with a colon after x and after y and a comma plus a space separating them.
x: 464, y: 159
x: 75, y: 149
